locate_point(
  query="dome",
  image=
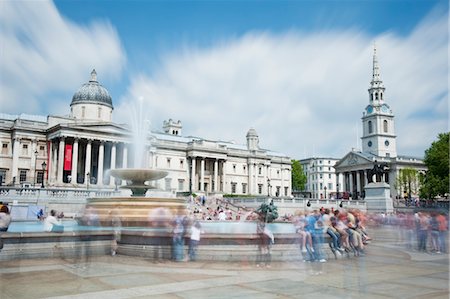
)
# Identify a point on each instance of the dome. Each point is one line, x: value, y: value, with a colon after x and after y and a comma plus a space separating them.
x: 92, y: 93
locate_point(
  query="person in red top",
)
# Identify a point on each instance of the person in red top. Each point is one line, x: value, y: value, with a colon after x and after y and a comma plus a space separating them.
x: 443, y: 228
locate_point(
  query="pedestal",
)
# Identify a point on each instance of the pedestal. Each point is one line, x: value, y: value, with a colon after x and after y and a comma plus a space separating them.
x: 378, y: 198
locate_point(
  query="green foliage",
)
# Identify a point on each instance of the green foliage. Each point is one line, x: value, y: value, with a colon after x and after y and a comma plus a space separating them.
x: 436, y: 181
x: 298, y: 176
x: 268, y: 212
x: 408, y: 180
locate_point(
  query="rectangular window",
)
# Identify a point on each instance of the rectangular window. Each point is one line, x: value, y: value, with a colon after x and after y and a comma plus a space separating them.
x: 320, y: 161
x: 2, y: 176
x: 330, y: 186
x: 39, y: 177
x: 168, y: 182
x: 329, y: 175
x: 260, y: 186
x: 244, y: 188
x: 321, y: 186
x: 321, y: 176
x: 25, y: 149
x: 4, y: 148
x: 278, y: 191
x: 260, y: 171
x: 180, y: 185
x: 23, y: 175
x: 233, y: 187
x: 286, y: 191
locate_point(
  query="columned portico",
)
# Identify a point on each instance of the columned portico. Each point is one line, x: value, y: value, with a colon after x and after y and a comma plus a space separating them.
x: 216, y: 169
x: 74, y: 171
x: 101, y: 158
x: 61, y: 160
x: 87, y: 167
x: 113, y: 162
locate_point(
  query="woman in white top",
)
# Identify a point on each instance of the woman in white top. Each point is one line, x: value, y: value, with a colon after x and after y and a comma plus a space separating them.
x: 50, y: 221
x: 196, y: 230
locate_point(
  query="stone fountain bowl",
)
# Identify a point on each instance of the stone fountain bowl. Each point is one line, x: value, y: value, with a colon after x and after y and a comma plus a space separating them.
x: 138, y: 176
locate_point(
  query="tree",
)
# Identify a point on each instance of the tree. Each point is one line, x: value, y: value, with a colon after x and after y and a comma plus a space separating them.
x: 298, y: 176
x: 408, y: 181
x: 436, y: 181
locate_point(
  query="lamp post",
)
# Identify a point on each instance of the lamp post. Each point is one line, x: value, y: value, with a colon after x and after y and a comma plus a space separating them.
x: 325, y: 191
x: 337, y: 191
x: 44, y: 167
x: 88, y: 175
x: 268, y: 187
x: 35, y: 170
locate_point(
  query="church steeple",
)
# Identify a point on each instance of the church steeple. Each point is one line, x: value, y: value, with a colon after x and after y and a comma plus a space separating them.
x: 376, y: 89
x: 378, y: 120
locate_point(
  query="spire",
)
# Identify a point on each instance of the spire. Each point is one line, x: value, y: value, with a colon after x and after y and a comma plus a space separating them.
x: 93, y: 76
x: 376, y: 68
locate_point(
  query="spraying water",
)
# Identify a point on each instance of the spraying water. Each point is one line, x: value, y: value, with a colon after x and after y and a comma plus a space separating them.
x: 140, y: 129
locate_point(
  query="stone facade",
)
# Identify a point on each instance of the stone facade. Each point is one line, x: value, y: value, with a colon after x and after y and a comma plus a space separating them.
x: 77, y: 151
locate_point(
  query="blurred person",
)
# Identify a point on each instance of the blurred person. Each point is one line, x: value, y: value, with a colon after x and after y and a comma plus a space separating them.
x: 52, y: 223
x: 196, y: 231
x: 116, y: 225
x: 5, y: 218
x: 40, y: 215
x: 443, y: 231
x: 423, y: 226
x: 179, y: 229
x: 160, y: 220
x: 264, y: 242
x: 305, y: 236
x: 331, y: 231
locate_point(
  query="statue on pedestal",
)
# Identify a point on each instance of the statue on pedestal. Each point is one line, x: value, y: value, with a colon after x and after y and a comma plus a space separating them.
x: 379, y: 169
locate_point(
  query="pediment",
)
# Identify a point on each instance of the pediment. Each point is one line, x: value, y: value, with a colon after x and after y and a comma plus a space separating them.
x: 107, y: 128
x: 353, y: 158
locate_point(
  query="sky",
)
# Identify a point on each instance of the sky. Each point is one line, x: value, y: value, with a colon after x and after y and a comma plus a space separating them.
x: 295, y: 71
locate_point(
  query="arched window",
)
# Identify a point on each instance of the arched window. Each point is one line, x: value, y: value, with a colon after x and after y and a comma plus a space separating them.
x: 370, y: 127
x: 385, y: 126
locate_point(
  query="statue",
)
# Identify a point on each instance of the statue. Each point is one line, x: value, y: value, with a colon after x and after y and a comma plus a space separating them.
x: 379, y: 169
x: 267, y: 212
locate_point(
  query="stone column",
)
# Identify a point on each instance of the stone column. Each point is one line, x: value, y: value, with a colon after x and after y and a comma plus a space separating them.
x: 224, y: 176
x: 61, y: 160
x: 350, y: 180
x: 358, y: 182
x: 113, y: 162
x: 50, y: 162
x: 33, y: 160
x: 125, y: 156
x: 250, y: 178
x: 282, y: 182
x: 74, y: 172
x: 55, y: 163
x: 216, y: 169
x: 366, y: 179
x: 337, y: 182
x: 15, y: 162
x: 255, y: 178
x: 125, y: 160
x: 101, y: 159
x: 87, y: 167
x: 193, y: 162
x: 202, y: 174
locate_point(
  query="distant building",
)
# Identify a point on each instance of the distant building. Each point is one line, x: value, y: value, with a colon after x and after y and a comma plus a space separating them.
x: 320, y: 177
x: 378, y: 144
x: 77, y: 150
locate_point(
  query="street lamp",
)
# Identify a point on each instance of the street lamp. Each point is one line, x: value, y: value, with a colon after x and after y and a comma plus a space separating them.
x: 325, y: 191
x: 44, y: 166
x: 35, y: 170
x: 337, y: 191
x: 88, y: 175
x: 268, y: 187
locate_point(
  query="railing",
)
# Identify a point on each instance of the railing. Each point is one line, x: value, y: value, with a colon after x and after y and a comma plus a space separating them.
x: 25, y: 194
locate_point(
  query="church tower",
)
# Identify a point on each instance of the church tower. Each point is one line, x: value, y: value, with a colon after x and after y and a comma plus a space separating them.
x: 378, y: 120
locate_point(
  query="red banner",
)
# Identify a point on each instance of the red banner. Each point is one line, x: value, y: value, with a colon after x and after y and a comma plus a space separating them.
x: 68, y: 157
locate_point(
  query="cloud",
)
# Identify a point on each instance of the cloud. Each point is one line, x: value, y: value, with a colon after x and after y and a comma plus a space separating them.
x: 303, y: 93
x: 43, y: 56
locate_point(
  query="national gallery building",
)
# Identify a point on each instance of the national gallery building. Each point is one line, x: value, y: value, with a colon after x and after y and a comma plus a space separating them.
x: 76, y: 152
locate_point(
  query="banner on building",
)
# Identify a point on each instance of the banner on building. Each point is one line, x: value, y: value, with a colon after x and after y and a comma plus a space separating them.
x: 68, y: 157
